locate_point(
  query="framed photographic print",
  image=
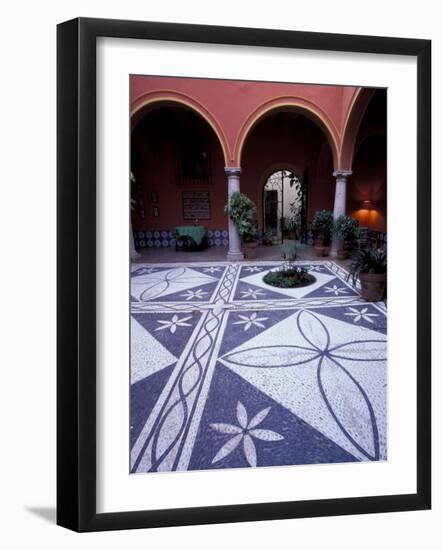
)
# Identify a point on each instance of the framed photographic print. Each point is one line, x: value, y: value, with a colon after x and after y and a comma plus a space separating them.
x: 256, y: 351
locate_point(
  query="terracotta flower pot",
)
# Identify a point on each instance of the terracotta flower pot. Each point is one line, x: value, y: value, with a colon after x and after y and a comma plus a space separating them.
x: 249, y: 250
x: 320, y: 249
x: 319, y: 241
x: 373, y: 286
x: 342, y: 254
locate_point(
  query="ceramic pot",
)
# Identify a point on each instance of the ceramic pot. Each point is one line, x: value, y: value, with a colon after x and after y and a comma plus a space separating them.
x: 373, y: 286
x: 249, y: 250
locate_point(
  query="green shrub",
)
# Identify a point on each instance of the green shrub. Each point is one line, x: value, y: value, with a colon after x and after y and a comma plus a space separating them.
x: 242, y: 212
x: 291, y: 277
x: 322, y: 224
x: 369, y: 260
x: 346, y: 228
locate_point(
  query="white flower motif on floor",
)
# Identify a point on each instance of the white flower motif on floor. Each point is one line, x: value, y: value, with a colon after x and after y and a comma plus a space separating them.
x: 146, y: 270
x: 190, y: 294
x: 318, y: 268
x: 212, y: 269
x: 252, y: 269
x: 174, y: 323
x: 335, y: 290
x: 252, y: 293
x: 252, y: 320
x: 329, y: 364
x: 244, y: 433
x: 361, y: 314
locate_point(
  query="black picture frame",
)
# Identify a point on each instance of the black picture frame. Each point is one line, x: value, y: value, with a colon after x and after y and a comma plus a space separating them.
x: 76, y: 273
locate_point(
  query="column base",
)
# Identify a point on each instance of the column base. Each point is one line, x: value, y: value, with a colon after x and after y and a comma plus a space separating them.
x: 235, y: 256
x: 134, y: 255
x: 335, y: 246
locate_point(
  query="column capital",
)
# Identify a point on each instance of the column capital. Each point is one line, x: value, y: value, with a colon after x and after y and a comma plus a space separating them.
x: 343, y: 174
x: 232, y: 171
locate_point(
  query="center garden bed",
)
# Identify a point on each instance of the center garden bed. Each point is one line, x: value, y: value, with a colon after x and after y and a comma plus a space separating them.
x: 291, y: 277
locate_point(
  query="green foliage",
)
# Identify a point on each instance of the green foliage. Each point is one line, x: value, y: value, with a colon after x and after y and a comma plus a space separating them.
x: 290, y: 277
x: 267, y: 239
x: 242, y: 211
x: 369, y: 260
x: 346, y: 228
x: 291, y: 224
x: 248, y: 231
x: 322, y: 224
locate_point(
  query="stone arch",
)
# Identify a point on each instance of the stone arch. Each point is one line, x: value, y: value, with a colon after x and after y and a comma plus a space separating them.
x: 152, y: 100
x: 281, y: 104
x: 355, y: 114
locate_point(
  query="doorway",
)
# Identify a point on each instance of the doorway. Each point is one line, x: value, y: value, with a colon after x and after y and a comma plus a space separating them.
x: 282, y: 206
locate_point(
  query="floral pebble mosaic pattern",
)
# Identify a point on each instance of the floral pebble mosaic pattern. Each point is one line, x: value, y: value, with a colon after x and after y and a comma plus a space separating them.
x: 229, y: 372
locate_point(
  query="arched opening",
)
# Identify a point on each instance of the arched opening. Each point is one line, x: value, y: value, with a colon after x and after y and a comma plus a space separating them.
x: 285, y: 105
x: 356, y: 113
x: 282, y: 206
x: 367, y: 196
x: 288, y: 141
x: 178, y: 166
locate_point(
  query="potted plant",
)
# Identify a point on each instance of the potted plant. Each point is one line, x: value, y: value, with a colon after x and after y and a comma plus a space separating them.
x: 322, y: 226
x: 370, y: 266
x: 249, y: 236
x: 345, y: 228
x: 267, y: 238
x: 242, y: 211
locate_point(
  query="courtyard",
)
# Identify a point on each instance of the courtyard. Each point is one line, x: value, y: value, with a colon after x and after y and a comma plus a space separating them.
x: 258, y: 247
x: 227, y: 371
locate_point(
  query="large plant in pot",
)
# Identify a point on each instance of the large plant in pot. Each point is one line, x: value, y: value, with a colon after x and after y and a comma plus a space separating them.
x: 322, y: 226
x: 370, y: 266
x: 242, y: 212
x: 249, y: 236
x: 346, y: 229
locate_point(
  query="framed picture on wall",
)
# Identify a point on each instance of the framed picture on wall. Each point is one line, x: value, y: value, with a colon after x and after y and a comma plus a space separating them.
x: 260, y: 365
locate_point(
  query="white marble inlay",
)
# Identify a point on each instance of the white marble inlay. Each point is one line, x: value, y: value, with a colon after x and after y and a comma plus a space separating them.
x: 147, y: 354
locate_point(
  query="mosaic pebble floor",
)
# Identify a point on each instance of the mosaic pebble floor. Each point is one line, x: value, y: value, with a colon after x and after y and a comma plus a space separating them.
x: 229, y: 372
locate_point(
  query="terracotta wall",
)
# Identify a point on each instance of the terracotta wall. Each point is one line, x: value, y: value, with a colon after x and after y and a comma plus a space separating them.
x: 292, y: 142
x: 230, y: 103
x: 369, y: 179
x: 368, y: 183
x: 157, y: 173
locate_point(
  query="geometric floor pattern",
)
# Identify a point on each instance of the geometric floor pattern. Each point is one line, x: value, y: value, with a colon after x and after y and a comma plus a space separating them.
x: 229, y: 372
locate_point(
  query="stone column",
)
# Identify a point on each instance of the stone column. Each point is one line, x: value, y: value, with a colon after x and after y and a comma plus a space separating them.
x: 340, y: 202
x: 234, y: 253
